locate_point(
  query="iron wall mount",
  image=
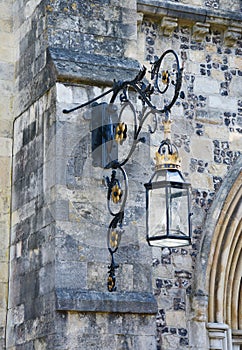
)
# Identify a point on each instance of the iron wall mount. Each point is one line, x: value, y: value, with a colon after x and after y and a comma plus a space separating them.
x: 163, y: 82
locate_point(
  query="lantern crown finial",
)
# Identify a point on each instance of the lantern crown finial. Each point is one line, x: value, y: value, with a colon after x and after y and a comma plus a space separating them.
x: 167, y: 156
x: 170, y: 161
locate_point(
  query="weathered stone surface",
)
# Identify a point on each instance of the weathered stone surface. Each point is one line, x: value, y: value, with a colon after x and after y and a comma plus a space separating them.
x: 194, y: 13
x: 56, y: 55
x: 88, y: 301
x: 89, y: 68
x: 7, y: 56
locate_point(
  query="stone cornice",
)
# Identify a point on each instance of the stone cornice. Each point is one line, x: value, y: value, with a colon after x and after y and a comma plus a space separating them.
x: 73, y: 66
x: 190, y: 13
x: 92, y: 301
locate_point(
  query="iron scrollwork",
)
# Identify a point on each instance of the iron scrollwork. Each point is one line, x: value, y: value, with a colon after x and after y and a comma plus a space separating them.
x: 162, y: 80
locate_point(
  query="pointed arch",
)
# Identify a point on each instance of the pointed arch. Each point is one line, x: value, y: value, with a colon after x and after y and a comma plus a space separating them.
x: 225, y: 262
x: 219, y: 269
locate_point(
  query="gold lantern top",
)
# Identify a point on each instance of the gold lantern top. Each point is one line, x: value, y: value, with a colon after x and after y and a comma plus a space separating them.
x: 167, y: 156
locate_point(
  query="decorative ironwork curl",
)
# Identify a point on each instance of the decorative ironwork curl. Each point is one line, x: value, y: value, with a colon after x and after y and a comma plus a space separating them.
x: 145, y: 92
x: 115, y: 228
x: 111, y: 183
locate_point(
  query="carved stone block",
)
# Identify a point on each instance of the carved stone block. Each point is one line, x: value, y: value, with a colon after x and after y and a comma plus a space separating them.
x: 168, y: 24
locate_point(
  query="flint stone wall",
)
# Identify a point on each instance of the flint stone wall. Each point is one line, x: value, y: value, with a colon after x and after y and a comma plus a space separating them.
x: 67, y: 54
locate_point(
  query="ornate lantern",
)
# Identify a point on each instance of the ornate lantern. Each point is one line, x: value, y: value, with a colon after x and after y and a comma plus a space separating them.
x: 168, y: 199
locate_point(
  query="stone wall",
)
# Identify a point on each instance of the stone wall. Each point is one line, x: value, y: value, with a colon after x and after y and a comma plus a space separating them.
x: 6, y: 120
x: 33, y: 72
x: 67, y: 54
x: 207, y: 132
x: 31, y: 297
x: 59, y: 259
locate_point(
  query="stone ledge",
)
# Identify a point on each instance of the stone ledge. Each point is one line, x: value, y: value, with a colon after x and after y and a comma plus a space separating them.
x: 194, y: 14
x: 72, y: 66
x: 116, y: 302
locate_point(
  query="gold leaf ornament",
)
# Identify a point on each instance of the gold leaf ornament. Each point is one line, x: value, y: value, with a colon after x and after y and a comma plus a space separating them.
x: 116, y: 193
x: 121, y: 132
x: 113, y: 239
x: 110, y: 283
x: 165, y: 77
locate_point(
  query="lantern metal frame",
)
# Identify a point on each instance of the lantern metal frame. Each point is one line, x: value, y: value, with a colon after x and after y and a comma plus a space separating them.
x: 160, y: 83
x: 179, y: 238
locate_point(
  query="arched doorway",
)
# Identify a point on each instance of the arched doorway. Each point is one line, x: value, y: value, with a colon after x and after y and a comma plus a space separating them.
x: 219, y: 270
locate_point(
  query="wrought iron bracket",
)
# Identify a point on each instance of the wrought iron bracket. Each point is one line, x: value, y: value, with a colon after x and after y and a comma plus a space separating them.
x: 164, y: 82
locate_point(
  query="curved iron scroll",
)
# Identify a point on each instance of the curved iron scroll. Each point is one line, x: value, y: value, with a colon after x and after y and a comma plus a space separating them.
x: 161, y: 80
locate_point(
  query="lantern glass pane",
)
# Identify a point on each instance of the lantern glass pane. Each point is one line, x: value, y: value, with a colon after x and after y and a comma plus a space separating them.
x: 168, y: 209
x: 157, y: 219
x: 178, y: 212
x: 174, y: 176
